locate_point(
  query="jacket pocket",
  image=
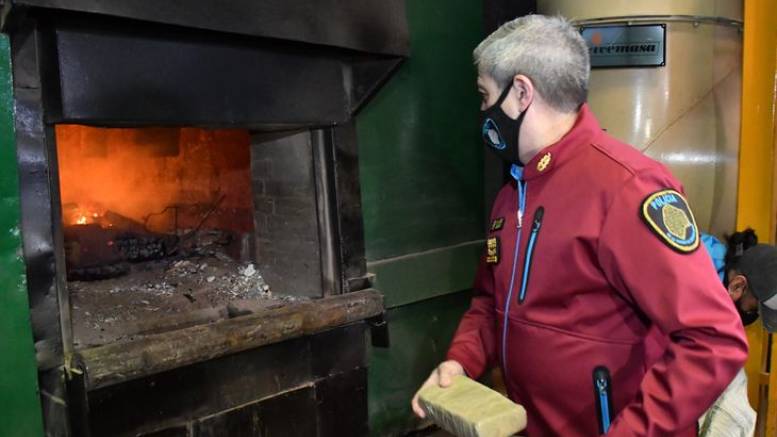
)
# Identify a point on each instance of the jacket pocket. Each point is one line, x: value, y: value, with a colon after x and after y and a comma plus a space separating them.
x: 603, y: 395
x: 530, y: 246
x: 550, y: 373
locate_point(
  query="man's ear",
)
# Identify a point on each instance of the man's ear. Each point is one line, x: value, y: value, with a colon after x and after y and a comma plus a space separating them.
x: 736, y: 287
x: 524, y: 91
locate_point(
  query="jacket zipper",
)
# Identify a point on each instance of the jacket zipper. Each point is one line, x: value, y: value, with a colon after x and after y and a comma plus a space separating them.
x: 603, y: 395
x: 519, y: 219
x: 535, y: 230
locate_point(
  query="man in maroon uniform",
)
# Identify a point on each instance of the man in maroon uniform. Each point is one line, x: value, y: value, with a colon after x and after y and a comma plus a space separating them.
x: 591, y: 248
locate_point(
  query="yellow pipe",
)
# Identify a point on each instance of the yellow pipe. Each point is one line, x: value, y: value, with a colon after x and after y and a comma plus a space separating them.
x: 756, y: 202
x: 756, y: 156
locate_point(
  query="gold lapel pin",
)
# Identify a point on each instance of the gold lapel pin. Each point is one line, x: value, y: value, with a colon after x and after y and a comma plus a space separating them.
x: 544, y: 162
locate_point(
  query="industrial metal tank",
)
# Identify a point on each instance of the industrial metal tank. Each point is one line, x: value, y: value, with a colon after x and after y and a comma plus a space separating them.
x: 679, y: 100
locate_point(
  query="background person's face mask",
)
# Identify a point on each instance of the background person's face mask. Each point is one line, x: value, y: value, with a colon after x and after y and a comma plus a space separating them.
x: 748, y: 317
x: 500, y: 132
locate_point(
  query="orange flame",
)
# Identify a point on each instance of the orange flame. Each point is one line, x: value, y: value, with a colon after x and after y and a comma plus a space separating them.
x: 163, y: 178
x: 83, y: 214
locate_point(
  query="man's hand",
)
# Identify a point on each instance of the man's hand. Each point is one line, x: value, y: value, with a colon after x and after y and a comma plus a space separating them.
x: 442, y: 376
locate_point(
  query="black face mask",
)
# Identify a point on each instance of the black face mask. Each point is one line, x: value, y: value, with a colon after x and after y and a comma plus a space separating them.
x: 500, y: 132
x: 748, y: 317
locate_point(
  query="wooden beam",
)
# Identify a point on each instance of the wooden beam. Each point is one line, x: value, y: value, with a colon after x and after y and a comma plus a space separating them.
x: 121, y: 361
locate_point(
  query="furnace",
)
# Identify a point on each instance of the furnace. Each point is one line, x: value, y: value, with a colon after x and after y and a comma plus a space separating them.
x: 158, y: 227
x: 191, y: 212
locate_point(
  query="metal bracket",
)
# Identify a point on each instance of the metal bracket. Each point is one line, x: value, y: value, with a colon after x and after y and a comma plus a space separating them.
x: 379, y: 331
x: 78, y: 400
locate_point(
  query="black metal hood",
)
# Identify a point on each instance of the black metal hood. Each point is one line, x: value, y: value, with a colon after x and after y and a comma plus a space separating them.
x: 258, y: 64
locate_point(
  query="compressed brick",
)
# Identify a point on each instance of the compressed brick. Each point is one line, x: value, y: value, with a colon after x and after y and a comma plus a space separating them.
x: 470, y: 409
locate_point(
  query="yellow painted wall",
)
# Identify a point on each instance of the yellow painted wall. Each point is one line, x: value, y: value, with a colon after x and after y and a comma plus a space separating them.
x: 756, y: 201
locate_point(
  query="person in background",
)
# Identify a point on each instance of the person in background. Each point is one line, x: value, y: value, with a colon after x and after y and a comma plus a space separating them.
x: 753, y: 279
x: 738, y: 243
x: 731, y: 415
x: 717, y: 251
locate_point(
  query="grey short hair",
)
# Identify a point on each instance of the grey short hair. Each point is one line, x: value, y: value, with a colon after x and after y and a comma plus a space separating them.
x: 548, y: 50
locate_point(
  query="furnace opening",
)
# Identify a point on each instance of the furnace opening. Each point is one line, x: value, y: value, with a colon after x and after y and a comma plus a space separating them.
x: 158, y: 228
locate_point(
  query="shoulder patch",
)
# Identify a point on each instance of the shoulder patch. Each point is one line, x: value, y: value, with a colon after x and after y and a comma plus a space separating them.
x: 668, y: 215
x: 497, y: 224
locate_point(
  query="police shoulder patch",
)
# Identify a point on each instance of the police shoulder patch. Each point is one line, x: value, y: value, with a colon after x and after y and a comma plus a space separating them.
x: 668, y: 215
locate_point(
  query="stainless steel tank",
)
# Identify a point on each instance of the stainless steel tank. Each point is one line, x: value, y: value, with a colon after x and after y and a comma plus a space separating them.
x: 685, y: 113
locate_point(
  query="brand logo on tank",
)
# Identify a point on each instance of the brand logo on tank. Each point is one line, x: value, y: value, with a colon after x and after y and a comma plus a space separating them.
x: 626, y: 46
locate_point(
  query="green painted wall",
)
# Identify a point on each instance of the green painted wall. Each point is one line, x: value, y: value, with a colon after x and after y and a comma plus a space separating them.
x: 20, y: 413
x: 408, y: 279
x: 419, y: 149
x: 420, y: 334
x: 421, y: 169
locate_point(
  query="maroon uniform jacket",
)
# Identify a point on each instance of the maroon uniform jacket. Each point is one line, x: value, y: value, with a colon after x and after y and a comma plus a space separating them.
x: 607, y: 257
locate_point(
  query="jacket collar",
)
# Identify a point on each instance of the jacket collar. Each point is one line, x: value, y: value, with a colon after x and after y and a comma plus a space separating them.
x: 584, y: 130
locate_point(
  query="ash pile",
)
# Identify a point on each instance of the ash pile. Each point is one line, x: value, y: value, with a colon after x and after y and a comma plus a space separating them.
x: 126, y: 282
x: 159, y: 295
